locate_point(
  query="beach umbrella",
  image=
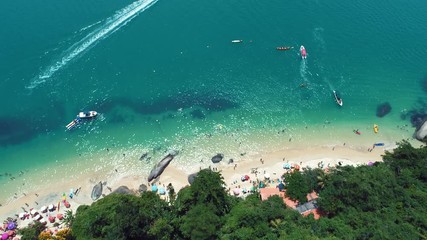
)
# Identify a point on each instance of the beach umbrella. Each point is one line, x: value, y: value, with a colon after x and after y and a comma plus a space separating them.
x: 261, y: 185
x: 43, y: 209
x: 162, y: 191
x: 287, y: 166
x: 281, y: 186
x: 236, y: 191
x: 51, y: 219
x: 370, y: 164
x: 4, y: 236
x: 33, y: 212
x: 296, y: 167
x: 21, y: 215
x: 43, y: 221
x: 11, y: 226
x: 59, y: 216
x: 51, y: 207
x: 154, y: 188
x: 267, y: 176
x: 252, y: 189
x: 38, y: 217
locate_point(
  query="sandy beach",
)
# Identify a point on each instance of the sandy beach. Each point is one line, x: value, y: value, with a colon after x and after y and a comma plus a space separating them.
x: 50, y: 192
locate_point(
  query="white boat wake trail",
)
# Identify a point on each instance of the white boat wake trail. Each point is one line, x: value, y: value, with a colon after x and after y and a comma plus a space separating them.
x: 110, y: 25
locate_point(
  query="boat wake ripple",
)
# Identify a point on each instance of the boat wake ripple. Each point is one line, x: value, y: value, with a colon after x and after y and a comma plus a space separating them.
x: 110, y: 25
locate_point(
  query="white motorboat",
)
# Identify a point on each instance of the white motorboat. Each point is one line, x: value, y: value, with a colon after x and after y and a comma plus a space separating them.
x: 337, y: 98
x: 87, y: 114
x: 237, y: 41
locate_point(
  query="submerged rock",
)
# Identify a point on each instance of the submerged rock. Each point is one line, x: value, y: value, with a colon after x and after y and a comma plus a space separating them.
x: 383, y: 109
x: 123, y: 190
x: 96, y: 191
x: 217, y: 158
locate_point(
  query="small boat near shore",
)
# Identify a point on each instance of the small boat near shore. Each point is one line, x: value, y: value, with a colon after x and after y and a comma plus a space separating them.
x: 303, y: 52
x: 337, y: 98
x: 79, y: 117
x: 87, y: 114
x: 237, y: 41
x: 283, y: 48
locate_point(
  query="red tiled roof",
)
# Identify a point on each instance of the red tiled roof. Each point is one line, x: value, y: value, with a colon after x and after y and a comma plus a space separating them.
x: 268, y: 192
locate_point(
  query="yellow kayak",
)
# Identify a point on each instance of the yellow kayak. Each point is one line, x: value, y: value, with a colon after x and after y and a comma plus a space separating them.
x: 375, y: 128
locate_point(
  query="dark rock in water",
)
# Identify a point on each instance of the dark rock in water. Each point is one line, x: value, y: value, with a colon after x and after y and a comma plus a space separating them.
x: 142, y: 188
x: 230, y: 161
x: 217, y: 158
x: 198, y: 114
x: 123, y: 190
x: 383, y: 109
x: 191, y: 178
x: 160, y: 167
x: 96, y: 191
x: 143, y: 156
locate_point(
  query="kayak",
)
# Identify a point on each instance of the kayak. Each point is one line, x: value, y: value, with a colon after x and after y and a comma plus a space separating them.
x: 283, y: 48
x: 375, y: 128
x: 303, y: 52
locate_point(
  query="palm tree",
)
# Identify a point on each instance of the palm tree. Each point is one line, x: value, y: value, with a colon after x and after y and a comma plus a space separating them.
x: 68, y: 218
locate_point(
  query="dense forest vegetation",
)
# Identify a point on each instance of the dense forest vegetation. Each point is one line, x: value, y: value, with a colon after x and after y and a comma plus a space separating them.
x: 385, y: 201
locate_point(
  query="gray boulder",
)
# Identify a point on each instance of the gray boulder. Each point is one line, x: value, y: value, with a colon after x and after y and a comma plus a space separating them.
x: 142, y: 188
x: 123, y: 190
x: 96, y: 191
x: 191, y: 178
x: 421, y: 133
x: 217, y: 158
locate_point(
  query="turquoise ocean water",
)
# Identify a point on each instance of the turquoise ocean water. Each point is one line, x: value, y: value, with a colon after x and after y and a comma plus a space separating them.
x: 164, y: 73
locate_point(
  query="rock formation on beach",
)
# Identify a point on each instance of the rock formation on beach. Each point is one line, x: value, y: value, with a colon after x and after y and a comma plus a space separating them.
x: 160, y: 167
x: 217, y: 158
x: 191, y: 177
x: 96, y: 191
x: 123, y: 190
x: 421, y: 133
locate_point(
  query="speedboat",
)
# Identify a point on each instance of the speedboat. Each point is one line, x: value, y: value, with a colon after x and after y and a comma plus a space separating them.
x: 337, y: 99
x: 283, y: 48
x: 88, y: 114
x: 237, y: 41
x: 303, y: 52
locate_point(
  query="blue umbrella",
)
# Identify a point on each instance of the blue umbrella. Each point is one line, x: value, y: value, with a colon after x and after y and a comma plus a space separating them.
x: 162, y: 191
x: 287, y: 166
x: 154, y: 188
x: 11, y: 226
x: 281, y: 186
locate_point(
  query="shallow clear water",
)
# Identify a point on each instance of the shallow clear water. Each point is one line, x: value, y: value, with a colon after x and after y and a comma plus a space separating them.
x: 164, y: 74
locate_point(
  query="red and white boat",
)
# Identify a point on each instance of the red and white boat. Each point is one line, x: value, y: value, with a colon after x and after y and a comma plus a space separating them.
x: 303, y: 52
